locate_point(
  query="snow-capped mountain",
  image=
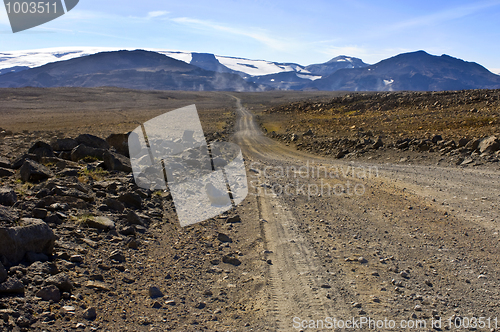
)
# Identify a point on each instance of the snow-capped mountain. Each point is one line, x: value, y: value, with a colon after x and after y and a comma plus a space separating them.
x: 13, y: 61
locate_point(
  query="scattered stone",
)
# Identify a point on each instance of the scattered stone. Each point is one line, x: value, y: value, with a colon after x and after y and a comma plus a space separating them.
x: 489, y: 145
x: 156, y: 305
x: 31, y: 235
x: 64, y: 144
x: 20, y: 161
x: 378, y: 144
x: 154, y: 292
x: 119, y: 142
x: 76, y: 259
x: 39, y: 213
x: 114, y: 204
x: 12, y: 286
x: 90, y: 313
x: 170, y: 303
x: 117, y: 162
x: 223, y: 238
x: 418, y: 307
x: 362, y: 260
x: 234, y: 219
x: 436, y: 138
x: 61, y: 281
x: 118, y: 256
x: 41, y: 149
x: 200, y: 305
x: 131, y: 199
x: 97, y: 285
x: 133, y: 218
x: 230, y: 259
x: 31, y: 171
x: 49, y: 293
x: 8, y: 215
x: 4, y: 172
x: 92, y: 141
x: 8, y: 196
x: 103, y: 223
x: 5, y: 163
x: 84, y: 151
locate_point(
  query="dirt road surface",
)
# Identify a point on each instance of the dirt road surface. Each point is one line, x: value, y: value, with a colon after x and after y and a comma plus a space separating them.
x: 405, y: 243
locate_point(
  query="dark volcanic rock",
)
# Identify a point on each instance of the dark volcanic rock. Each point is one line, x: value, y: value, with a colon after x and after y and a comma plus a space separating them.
x: 7, y: 215
x: 20, y: 161
x: 117, y: 162
x: 64, y: 144
x: 12, y: 286
x: 41, y: 149
x: 4, y: 172
x: 31, y: 235
x: 5, y: 163
x: 131, y: 199
x: 32, y: 171
x: 114, y: 204
x: 61, y: 281
x: 8, y: 197
x: 119, y: 142
x: 83, y: 151
x: 92, y: 141
x: 49, y: 293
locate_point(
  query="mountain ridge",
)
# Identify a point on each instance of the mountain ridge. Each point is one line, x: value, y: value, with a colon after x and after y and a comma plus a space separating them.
x: 177, y: 70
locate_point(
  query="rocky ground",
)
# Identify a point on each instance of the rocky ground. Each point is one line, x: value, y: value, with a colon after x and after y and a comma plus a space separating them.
x: 446, y: 128
x: 84, y: 248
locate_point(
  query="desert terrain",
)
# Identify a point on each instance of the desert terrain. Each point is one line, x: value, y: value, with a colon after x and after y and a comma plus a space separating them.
x: 334, y: 225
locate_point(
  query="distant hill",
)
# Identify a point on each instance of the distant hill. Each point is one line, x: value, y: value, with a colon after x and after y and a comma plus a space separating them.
x: 127, y: 69
x: 417, y: 71
x: 337, y: 63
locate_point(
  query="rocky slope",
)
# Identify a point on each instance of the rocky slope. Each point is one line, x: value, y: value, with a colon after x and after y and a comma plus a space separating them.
x: 460, y: 128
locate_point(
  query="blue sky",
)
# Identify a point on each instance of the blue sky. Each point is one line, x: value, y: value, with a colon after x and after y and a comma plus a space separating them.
x: 303, y: 32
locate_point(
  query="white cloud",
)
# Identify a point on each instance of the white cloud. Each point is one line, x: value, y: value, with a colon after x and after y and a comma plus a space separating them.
x: 445, y: 15
x: 157, y: 13
x: 253, y: 33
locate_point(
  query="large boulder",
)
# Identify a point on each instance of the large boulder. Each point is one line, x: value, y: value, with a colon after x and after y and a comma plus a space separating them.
x: 83, y: 151
x: 117, y: 162
x: 64, y: 144
x: 32, y: 171
x: 41, y: 149
x: 8, y: 197
x: 119, y: 142
x: 31, y: 235
x: 92, y: 141
x: 489, y: 145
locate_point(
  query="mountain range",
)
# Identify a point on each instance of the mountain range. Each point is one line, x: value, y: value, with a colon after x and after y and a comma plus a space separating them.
x: 176, y: 70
